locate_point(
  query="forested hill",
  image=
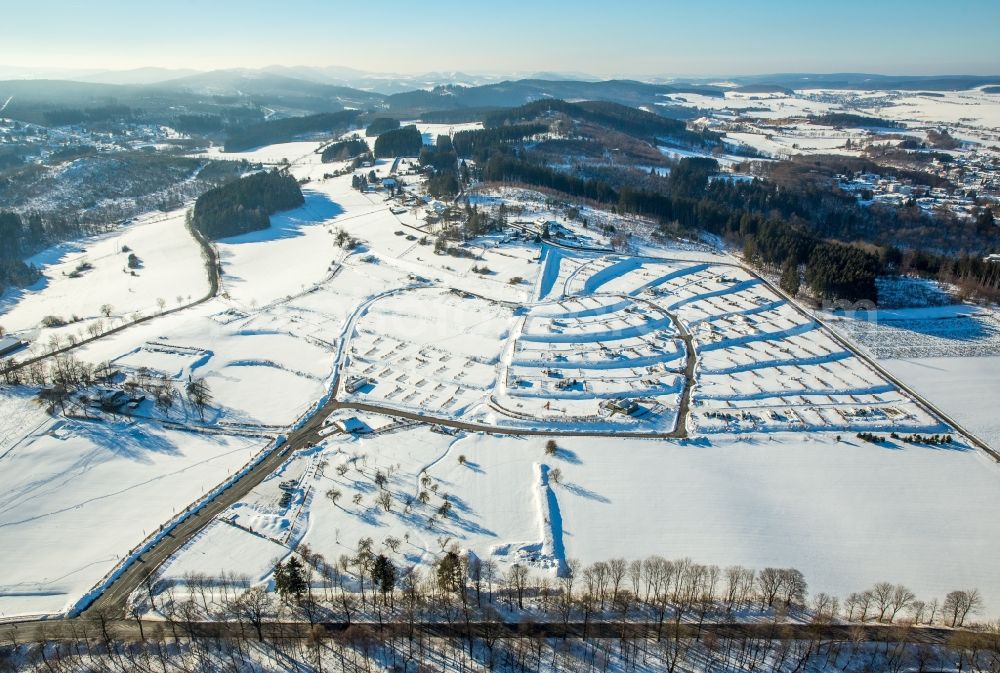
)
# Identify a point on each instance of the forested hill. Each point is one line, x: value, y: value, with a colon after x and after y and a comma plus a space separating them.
x: 404, y: 142
x: 283, y: 130
x: 621, y: 118
x: 16, y: 237
x: 245, y: 205
x: 344, y: 149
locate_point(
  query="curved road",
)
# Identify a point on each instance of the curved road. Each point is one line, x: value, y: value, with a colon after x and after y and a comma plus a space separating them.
x: 112, y: 600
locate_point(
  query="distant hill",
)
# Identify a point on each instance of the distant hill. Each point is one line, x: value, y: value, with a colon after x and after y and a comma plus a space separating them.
x: 271, y: 88
x: 242, y: 96
x: 515, y: 93
x: 862, y: 81
x: 762, y: 88
x: 136, y: 75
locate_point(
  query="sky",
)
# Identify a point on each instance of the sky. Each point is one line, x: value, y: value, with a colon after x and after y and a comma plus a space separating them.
x: 641, y: 38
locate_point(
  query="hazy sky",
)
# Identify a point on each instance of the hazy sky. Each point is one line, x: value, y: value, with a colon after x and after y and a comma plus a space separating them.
x: 637, y: 38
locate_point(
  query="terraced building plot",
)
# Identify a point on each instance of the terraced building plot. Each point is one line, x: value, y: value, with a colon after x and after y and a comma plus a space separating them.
x: 761, y: 364
x: 595, y: 361
x: 654, y: 347
x: 526, y: 401
x: 428, y: 350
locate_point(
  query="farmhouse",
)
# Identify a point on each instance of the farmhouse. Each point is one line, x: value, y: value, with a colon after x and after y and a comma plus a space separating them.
x: 110, y: 400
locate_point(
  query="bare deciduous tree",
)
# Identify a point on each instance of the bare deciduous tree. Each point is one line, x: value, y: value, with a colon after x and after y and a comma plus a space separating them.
x: 199, y: 395
x: 958, y: 605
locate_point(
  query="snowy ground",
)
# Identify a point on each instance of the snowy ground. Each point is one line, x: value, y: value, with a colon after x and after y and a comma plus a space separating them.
x: 488, y: 337
x: 761, y: 367
x: 774, y: 123
x: 966, y: 388
x: 78, y: 495
x: 171, y: 271
x: 950, y: 354
x: 847, y: 513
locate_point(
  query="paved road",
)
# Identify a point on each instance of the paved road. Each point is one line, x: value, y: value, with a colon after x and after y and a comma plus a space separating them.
x: 930, y: 407
x: 112, y: 600
x: 129, y: 629
x: 690, y: 361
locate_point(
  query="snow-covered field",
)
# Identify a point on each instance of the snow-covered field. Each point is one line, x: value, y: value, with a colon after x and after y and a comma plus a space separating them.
x: 79, y: 495
x: 513, y: 335
x: 846, y: 513
x: 774, y: 123
x: 954, y: 330
x: 171, y: 271
x: 966, y: 388
x: 950, y: 354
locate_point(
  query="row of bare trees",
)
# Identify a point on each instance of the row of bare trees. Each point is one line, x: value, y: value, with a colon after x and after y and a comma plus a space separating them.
x: 369, y: 584
x: 167, y: 646
x: 885, y: 601
x: 365, y: 613
x: 63, y: 375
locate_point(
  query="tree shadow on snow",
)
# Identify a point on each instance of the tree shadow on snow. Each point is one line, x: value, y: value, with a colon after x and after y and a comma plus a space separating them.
x: 461, y: 516
x: 370, y: 516
x: 133, y: 441
x: 474, y: 467
x: 584, y: 492
x: 568, y: 456
x: 317, y: 209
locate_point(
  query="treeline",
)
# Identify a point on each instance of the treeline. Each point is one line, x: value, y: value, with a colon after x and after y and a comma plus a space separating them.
x: 403, y: 142
x: 72, y: 152
x: 903, y: 234
x: 661, y: 594
x: 449, y: 174
x: 245, y: 205
x: 284, y: 130
x: 975, y: 277
x: 833, y: 270
x: 371, y: 609
x: 653, y: 590
x: 69, y: 116
x: 344, y: 149
x: 628, y: 120
x: 17, y: 237
x: 459, y: 115
x: 199, y: 123
x: 848, y: 119
x: 446, y: 175
x: 480, y: 144
x: 61, y: 377
x: 441, y: 155
x: 22, y: 235
x: 380, y: 125
x: 819, y: 170
x: 512, y: 169
x: 12, y: 155
x: 942, y: 139
x: 182, y: 645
